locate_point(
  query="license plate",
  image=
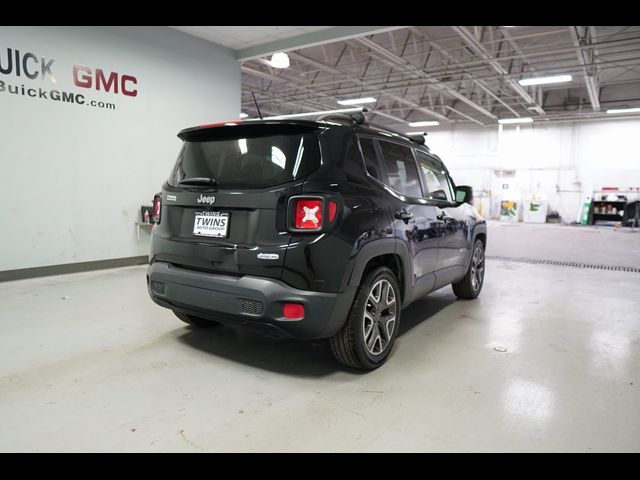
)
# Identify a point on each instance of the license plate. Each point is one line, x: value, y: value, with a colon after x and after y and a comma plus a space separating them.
x: 211, y: 224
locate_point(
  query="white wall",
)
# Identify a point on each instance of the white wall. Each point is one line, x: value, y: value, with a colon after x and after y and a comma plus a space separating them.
x: 74, y: 176
x: 561, y: 162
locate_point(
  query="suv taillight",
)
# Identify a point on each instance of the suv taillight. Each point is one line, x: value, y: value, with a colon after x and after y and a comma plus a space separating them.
x: 311, y: 213
x: 308, y: 213
x: 157, y: 206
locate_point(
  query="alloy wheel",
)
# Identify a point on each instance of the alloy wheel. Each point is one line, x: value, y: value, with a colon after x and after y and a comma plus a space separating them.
x: 477, y: 268
x: 379, y: 317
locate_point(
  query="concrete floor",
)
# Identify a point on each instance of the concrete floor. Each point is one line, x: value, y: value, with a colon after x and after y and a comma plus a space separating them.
x: 548, y: 241
x: 88, y: 363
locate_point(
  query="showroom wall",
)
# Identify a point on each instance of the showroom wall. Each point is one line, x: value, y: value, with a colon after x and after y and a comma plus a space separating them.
x: 88, y: 122
x: 561, y: 163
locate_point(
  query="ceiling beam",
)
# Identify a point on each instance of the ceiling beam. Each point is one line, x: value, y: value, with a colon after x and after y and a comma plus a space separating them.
x: 515, y: 47
x: 364, y: 85
x: 417, y: 72
x: 389, y: 116
x: 397, y: 86
x: 314, y: 63
x: 590, y: 77
x: 305, y: 103
x: 311, y: 39
x: 465, y: 115
x: 273, y: 78
x: 482, y: 52
x: 450, y: 57
x: 418, y: 107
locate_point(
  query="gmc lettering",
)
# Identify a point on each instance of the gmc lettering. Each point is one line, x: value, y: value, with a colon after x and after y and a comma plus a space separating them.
x: 113, y: 82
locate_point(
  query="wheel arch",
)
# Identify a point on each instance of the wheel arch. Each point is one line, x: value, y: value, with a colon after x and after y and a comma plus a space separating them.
x: 382, y: 253
x: 479, y: 233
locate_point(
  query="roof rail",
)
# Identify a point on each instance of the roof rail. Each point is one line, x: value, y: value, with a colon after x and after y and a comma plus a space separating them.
x: 322, y: 113
x: 350, y: 118
x: 417, y: 139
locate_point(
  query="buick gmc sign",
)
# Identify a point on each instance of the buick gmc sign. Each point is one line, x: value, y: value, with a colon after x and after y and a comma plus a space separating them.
x: 26, y: 67
x: 29, y: 64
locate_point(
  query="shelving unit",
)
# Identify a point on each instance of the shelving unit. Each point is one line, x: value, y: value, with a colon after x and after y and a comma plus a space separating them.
x: 595, y: 214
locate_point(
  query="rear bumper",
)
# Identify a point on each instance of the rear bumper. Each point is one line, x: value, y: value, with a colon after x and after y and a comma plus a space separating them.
x: 248, y: 300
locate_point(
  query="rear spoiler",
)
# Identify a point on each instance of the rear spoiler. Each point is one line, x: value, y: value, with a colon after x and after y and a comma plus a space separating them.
x: 223, y: 130
x: 322, y: 115
x: 352, y: 116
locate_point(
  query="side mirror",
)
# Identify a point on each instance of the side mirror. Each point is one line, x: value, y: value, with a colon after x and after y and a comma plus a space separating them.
x: 464, y: 194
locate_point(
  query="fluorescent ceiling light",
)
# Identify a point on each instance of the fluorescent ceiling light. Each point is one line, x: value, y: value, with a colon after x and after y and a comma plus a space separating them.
x: 506, y: 121
x: 545, y: 80
x: 357, y: 101
x: 424, y: 124
x: 509, y: 26
x: 243, y: 115
x: 624, y: 110
x: 280, y: 60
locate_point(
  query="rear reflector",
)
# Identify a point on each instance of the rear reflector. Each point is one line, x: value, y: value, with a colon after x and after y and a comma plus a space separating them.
x: 308, y: 214
x: 293, y: 311
x: 157, y: 205
x: 333, y: 208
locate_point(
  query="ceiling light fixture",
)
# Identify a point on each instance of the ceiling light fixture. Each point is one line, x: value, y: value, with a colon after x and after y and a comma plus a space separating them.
x: 623, y: 110
x: 506, y: 121
x: 279, y: 60
x: 357, y: 101
x: 424, y: 124
x: 545, y: 80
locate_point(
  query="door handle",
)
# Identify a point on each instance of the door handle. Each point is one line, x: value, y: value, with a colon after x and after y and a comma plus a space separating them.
x: 445, y: 218
x: 403, y: 215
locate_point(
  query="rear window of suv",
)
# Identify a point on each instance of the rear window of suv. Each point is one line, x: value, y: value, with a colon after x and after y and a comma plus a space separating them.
x: 254, y: 159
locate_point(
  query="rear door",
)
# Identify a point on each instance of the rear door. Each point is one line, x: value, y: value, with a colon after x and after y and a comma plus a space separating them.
x: 224, y: 205
x: 451, y: 219
x: 413, y: 217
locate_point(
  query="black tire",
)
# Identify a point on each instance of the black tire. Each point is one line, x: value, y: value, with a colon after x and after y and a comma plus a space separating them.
x: 471, y: 284
x: 349, y: 345
x: 195, y: 321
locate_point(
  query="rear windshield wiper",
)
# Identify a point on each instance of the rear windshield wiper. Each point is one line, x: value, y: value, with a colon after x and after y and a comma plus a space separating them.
x: 206, y: 181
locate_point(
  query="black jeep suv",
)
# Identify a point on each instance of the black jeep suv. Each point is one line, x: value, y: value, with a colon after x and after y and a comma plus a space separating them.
x: 311, y: 229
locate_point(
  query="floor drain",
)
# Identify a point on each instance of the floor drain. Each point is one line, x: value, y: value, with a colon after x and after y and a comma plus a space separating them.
x: 500, y: 349
x: 560, y: 263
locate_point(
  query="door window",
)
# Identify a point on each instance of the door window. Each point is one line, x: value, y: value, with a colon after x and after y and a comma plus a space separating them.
x: 401, y: 169
x: 435, y: 177
x: 370, y: 158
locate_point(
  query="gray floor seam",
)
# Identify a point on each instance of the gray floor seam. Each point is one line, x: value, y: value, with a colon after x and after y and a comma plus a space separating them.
x: 561, y: 263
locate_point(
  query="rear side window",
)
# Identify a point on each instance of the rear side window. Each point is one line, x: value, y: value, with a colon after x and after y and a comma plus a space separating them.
x: 401, y: 168
x: 252, y: 161
x: 370, y: 158
x: 436, y: 178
